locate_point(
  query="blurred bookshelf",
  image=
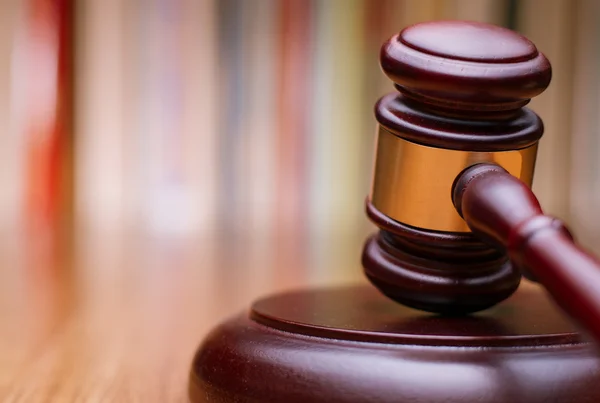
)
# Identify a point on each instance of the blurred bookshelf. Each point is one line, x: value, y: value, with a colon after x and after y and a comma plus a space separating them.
x: 249, y: 122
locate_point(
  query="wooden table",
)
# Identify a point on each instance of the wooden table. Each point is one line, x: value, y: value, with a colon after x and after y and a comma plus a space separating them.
x: 116, y: 317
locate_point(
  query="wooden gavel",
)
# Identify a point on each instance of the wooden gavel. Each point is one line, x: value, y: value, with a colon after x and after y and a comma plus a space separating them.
x: 457, y: 143
x: 459, y: 226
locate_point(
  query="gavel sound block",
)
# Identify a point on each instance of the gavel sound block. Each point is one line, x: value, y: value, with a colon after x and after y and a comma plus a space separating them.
x: 446, y: 320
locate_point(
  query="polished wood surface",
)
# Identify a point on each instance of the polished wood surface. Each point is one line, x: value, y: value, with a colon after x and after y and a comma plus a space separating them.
x: 351, y: 344
x: 451, y: 273
x: 115, y: 316
x: 340, y: 313
x: 465, y: 67
x: 499, y: 207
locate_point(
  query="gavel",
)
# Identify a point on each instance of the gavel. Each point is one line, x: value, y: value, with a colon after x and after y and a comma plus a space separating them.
x: 459, y: 228
x: 456, y: 152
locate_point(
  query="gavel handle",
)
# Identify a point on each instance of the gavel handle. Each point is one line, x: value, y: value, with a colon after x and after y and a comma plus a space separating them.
x: 500, y: 208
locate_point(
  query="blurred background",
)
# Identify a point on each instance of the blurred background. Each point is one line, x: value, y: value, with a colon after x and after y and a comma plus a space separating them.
x: 165, y: 162
x: 244, y: 128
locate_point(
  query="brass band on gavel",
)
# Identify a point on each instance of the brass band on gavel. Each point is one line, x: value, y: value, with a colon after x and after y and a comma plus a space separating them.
x: 412, y: 182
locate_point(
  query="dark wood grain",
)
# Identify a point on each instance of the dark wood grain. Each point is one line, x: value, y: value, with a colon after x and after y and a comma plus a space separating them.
x: 419, y: 123
x: 464, y: 95
x: 456, y: 94
x: 353, y: 345
x: 450, y: 273
x: 502, y: 209
x: 465, y: 66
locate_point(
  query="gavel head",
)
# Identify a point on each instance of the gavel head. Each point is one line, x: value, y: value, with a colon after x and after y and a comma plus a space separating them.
x: 462, y: 88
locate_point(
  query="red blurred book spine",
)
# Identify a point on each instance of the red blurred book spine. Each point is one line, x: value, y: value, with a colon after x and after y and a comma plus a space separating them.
x: 47, y: 83
x: 293, y: 102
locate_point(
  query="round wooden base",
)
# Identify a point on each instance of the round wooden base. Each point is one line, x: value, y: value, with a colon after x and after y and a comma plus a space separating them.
x: 355, y: 345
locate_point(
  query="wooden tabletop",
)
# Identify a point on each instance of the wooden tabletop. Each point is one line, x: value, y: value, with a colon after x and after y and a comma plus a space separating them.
x: 111, y: 316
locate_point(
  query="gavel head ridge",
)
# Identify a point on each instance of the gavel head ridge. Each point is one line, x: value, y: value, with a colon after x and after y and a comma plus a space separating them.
x: 462, y: 90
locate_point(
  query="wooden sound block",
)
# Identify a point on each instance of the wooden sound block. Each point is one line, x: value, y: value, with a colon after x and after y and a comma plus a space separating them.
x: 355, y: 345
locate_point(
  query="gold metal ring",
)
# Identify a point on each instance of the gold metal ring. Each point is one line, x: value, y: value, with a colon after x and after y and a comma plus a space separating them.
x: 412, y: 183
